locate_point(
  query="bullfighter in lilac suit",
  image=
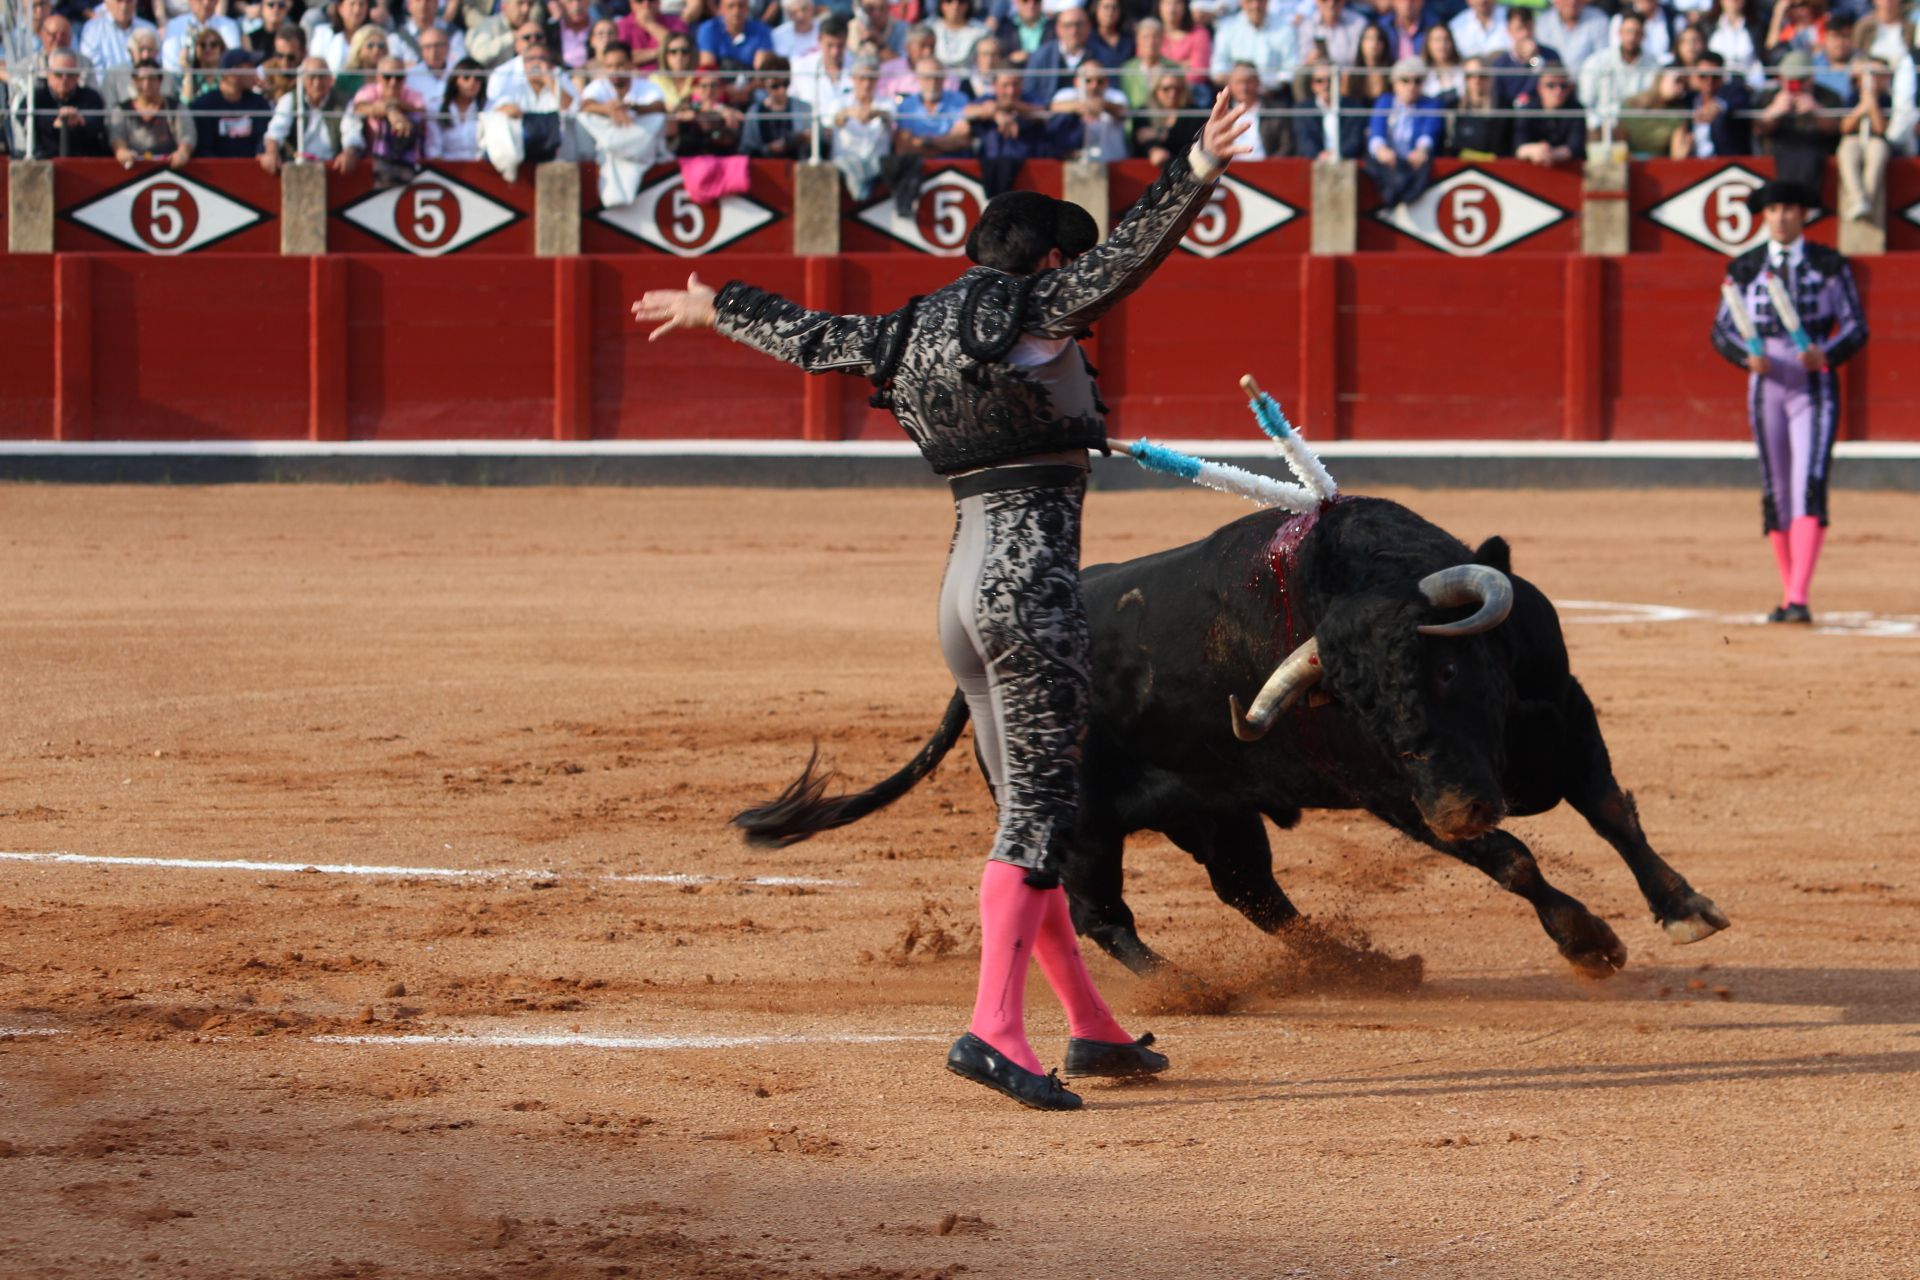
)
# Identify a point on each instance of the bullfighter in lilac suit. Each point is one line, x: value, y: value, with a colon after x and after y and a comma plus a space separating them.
x: 1793, y: 395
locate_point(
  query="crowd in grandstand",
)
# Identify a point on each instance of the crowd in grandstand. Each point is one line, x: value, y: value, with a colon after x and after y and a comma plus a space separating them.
x: 878, y: 86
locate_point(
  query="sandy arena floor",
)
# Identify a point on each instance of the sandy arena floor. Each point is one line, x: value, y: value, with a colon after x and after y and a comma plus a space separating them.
x: 208, y: 1072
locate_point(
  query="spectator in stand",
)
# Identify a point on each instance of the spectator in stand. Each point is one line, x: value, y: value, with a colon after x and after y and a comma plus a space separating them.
x: 333, y: 39
x: 778, y: 125
x: 1141, y: 73
x: 932, y: 121
x: 899, y: 77
x: 569, y: 33
x: 1833, y: 64
x: 862, y: 132
x: 202, y: 15
x: 876, y: 24
x: 104, y: 40
x: 1446, y: 74
x: 955, y: 34
x: 1373, y: 68
x: 1011, y: 128
x: 799, y: 34
x: 1330, y: 23
x: 393, y: 119
x: 453, y: 130
x: 500, y: 38
x: 1867, y: 140
x: 1477, y: 131
x: 1576, y: 29
x: 278, y: 77
x: 530, y: 37
x: 330, y: 133
x: 1337, y: 127
x: 231, y: 121
x: 1264, y: 133
x: 705, y: 123
x: 150, y: 125
x: 1404, y: 137
x: 1656, y: 28
x: 1733, y: 34
x: 1688, y: 45
x: 1719, y: 102
x: 978, y: 82
x: 116, y: 83
x: 1791, y: 127
x: 428, y: 75
x: 422, y: 21
x: 625, y: 116
x: 733, y: 40
x: 1522, y: 60
x: 200, y: 74
x: 1270, y: 47
x: 69, y: 118
x: 1112, y: 38
x: 56, y: 33
x: 1161, y: 130
x: 1615, y: 74
x: 1480, y: 30
x: 1406, y: 23
x: 822, y: 79
x: 1664, y: 131
x: 1024, y: 32
x: 1100, y: 111
x: 364, y: 52
x: 1054, y: 64
x: 1796, y: 24
x: 1888, y: 33
x: 645, y: 29
x: 522, y: 122
x: 1552, y: 131
x: 1186, y: 41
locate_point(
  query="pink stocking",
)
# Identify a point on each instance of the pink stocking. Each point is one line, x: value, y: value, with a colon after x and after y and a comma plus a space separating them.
x: 1011, y: 913
x: 1806, y: 535
x: 1088, y: 1017
x: 1783, y: 559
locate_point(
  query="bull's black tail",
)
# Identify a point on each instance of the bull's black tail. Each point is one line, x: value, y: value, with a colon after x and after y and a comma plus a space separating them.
x: 804, y: 809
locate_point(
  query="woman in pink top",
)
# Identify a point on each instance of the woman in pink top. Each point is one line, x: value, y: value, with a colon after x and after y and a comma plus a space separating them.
x: 646, y: 29
x: 1185, y: 41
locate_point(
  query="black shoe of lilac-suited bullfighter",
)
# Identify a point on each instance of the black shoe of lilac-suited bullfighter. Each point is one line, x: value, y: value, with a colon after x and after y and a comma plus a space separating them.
x: 1104, y: 1058
x: 981, y: 1063
x: 1778, y: 614
x: 1798, y: 613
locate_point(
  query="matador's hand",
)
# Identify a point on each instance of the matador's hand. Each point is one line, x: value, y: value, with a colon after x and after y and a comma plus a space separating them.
x: 1813, y: 359
x: 689, y: 308
x: 1222, y: 128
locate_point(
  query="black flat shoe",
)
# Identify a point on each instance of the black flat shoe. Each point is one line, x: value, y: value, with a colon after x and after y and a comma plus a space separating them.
x: 981, y: 1063
x: 1779, y: 614
x: 1100, y: 1058
x: 1797, y: 613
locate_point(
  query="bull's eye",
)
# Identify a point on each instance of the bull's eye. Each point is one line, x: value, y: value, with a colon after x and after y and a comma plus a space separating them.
x: 1445, y: 672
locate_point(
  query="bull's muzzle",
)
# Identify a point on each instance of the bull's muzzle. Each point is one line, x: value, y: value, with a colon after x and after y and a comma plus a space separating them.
x: 1455, y: 817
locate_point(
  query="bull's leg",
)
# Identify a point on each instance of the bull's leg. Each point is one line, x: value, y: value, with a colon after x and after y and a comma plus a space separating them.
x: 1239, y: 862
x: 1686, y: 914
x: 1093, y: 876
x: 1583, y: 938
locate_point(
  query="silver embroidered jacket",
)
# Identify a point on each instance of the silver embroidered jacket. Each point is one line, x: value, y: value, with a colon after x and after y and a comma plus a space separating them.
x: 939, y: 361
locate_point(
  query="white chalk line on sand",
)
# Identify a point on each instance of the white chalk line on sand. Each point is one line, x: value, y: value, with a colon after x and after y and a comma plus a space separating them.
x: 31, y: 1031
x: 1869, y: 625
x: 358, y: 869
x: 538, y: 1040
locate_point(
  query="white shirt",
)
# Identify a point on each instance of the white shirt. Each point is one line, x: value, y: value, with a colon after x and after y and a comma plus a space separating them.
x: 857, y: 140
x: 431, y: 86
x: 1473, y: 40
x: 1273, y: 48
x: 179, y: 37
x: 1654, y: 36
x: 501, y: 77
x: 408, y: 44
x: 104, y: 43
x: 1576, y: 41
x: 332, y: 45
x: 641, y: 92
x: 1608, y: 79
x: 1104, y: 139
x: 791, y: 44
x: 316, y: 140
x: 457, y: 138
x: 557, y: 96
x: 822, y: 92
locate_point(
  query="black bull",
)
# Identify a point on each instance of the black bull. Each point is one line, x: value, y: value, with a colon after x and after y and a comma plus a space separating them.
x: 1439, y: 736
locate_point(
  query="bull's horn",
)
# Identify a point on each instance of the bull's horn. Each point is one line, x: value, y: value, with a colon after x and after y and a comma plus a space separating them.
x: 1468, y: 584
x: 1293, y: 677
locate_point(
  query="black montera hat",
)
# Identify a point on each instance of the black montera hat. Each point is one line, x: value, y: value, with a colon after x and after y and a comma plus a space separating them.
x: 1027, y: 221
x: 1783, y: 193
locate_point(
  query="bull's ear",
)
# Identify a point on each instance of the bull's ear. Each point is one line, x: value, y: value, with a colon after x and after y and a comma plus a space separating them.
x: 1494, y: 554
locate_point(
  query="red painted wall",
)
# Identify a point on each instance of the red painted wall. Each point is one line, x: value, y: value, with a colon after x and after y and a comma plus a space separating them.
x: 1530, y: 340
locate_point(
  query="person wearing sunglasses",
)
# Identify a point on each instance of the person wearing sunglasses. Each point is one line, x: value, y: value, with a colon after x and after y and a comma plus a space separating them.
x: 985, y: 376
x: 150, y: 125
x: 646, y: 30
x: 69, y: 117
x: 453, y: 131
x: 183, y: 33
x: 1553, y: 129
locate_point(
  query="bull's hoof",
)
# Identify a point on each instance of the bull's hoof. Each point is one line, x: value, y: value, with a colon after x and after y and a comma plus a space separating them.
x: 1594, y: 949
x: 1697, y: 918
